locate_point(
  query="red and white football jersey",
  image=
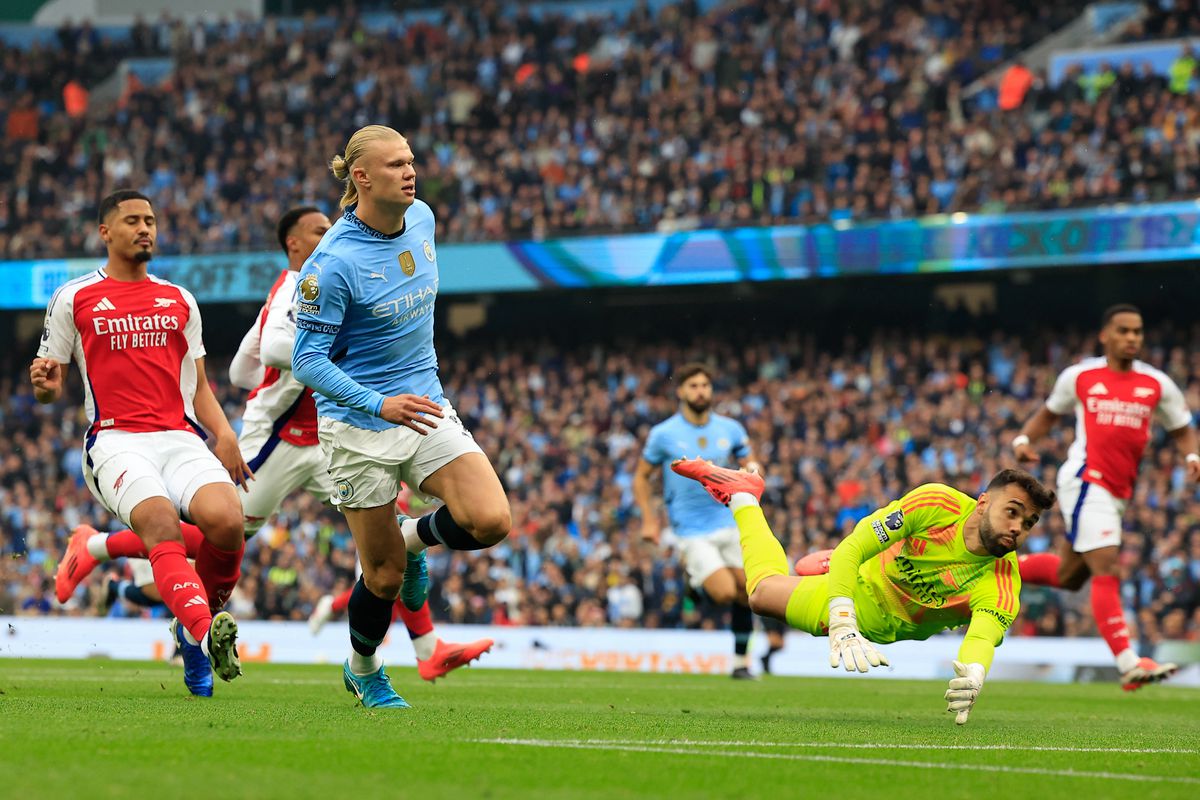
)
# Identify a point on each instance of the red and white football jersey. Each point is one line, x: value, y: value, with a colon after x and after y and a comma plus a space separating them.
x: 136, y: 344
x: 280, y: 402
x: 1113, y: 411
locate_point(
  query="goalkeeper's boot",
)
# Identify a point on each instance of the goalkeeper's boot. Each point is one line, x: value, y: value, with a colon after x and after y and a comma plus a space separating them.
x: 414, y: 590
x: 720, y: 482
x: 222, y: 647
x: 321, y: 614
x: 448, y: 657
x: 197, y: 672
x: 814, y: 563
x: 76, y: 565
x: 374, y: 690
x: 1146, y: 672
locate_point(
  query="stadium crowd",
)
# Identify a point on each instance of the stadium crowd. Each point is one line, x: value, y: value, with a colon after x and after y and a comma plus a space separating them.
x: 756, y: 112
x: 841, y: 434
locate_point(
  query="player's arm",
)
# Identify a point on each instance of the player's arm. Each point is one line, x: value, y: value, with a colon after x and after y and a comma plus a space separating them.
x: 1173, y: 413
x: 744, y: 453
x: 993, y: 608
x: 643, y: 495
x: 210, y: 414
x: 246, y: 370
x: 323, y: 296
x: 279, y: 332
x: 1060, y: 402
x: 48, y: 371
x: 918, y: 510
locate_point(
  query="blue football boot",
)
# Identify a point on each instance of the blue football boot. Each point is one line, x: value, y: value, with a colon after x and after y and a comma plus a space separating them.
x: 197, y: 672
x: 374, y: 690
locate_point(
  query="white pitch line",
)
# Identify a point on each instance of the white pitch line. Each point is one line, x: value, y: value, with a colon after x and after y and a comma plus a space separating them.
x: 882, y: 762
x: 882, y: 745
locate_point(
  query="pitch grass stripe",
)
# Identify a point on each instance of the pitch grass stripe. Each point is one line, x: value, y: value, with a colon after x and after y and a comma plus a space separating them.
x: 891, y: 745
x: 880, y: 762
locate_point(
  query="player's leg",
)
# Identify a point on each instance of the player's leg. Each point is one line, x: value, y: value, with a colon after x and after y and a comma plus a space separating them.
x: 436, y: 658
x: 383, y: 557
x: 776, y: 631
x: 1096, y: 540
x: 286, y: 468
x: 327, y: 607
x: 1067, y: 568
x: 450, y: 466
x: 89, y: 548
x: 726, y: 586
x: 217, y: 512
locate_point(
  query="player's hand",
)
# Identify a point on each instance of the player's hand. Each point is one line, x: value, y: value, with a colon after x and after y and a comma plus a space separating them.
x: 847, y: 646
x: 651, y: 530
x: 1193, y: 469
x: 46, y: 375
x: 1026, y: 454
x: 411, y: 411
x: 230, y: 456
x: 964, y: 688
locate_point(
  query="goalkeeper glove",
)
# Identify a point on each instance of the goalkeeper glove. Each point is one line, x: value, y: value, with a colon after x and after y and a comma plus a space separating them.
x: 846, y: 643
x: 964, y: 688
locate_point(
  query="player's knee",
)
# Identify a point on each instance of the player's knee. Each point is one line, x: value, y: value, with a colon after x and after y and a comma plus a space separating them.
x: 490, y: 526
x: 384, y: 580
x: 227, y: 532
x: 721, y: 596
x: 158, y: 529
x: 758, y: 603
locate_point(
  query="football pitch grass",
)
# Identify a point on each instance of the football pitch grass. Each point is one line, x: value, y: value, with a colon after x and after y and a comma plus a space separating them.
x: 88, y: 729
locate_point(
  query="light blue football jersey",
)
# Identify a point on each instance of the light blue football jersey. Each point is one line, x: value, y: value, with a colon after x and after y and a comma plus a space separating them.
x: 364, y: 317
x: 723, y: 441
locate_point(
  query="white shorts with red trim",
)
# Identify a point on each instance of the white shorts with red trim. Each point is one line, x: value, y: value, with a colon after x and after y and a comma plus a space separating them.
x: 1092, y: 514
x: 123, y: 469
x: 280, y: 468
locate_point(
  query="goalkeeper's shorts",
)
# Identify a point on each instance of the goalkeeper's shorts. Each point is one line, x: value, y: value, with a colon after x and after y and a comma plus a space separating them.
x: 808, y: 610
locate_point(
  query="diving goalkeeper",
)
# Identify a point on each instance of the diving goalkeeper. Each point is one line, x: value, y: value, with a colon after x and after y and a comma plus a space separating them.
x: 932, y: 560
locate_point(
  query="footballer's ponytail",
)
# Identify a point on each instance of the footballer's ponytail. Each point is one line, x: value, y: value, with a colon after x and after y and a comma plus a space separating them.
x: 341, y: 165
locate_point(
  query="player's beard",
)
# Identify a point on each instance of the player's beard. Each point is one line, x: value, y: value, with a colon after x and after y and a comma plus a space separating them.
x: 142, y: 256
x: 991, y: 541
x: 698, y: 406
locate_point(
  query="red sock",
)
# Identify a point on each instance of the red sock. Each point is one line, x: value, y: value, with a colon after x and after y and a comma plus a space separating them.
x: 193, y: 537
x: 1040, y: 569
x: 180, y: 588
x: 125, y: 544
x: 342, y: 600
x: 219, y: 571
x: 1110, y: 617
x: 418, y: 622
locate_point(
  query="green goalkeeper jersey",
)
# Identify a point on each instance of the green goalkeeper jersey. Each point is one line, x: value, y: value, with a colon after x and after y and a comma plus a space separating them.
x: 911, y: 576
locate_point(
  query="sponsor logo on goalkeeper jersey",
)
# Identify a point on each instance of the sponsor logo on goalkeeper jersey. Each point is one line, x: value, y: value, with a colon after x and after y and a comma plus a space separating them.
x: 920, y: 585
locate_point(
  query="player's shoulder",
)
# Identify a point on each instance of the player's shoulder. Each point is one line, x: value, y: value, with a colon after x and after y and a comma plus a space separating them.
x: 1142, y: 368
x: 666, y: 426
x: 67, y: 291
x: 422, y: 211
x: 934, y: 494
x: 1089, y: 364
x: 165, y: 291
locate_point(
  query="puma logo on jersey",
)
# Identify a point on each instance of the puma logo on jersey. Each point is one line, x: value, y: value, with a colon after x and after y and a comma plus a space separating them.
x: 1142, y: 391
x: 379, y: 275
x: 1098, y: 388
x: 164, y: 302
x: 104, y: 305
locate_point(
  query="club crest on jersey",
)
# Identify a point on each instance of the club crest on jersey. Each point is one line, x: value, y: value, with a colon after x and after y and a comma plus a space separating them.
x: 345, y: 489
x: 408, y: 263
x: 309, y: 290
x: 428, y: 248
x: 895, y: 520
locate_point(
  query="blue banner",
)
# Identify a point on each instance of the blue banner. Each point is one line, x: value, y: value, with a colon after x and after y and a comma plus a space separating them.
x: 949, y: 243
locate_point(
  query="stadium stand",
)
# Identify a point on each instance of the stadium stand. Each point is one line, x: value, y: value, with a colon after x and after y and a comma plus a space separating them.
x: 527, y: 127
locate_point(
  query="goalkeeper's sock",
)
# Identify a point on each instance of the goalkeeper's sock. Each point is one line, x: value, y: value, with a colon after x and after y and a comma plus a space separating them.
x: 762, y: 555
x: 1110, y: 617
x: 1040, y: 569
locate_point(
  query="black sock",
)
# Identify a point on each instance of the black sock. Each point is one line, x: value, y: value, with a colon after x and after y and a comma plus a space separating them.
x: 440, y: 528
x: 370, y: 617
x: 741, y: 622
x: 134, y: 594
